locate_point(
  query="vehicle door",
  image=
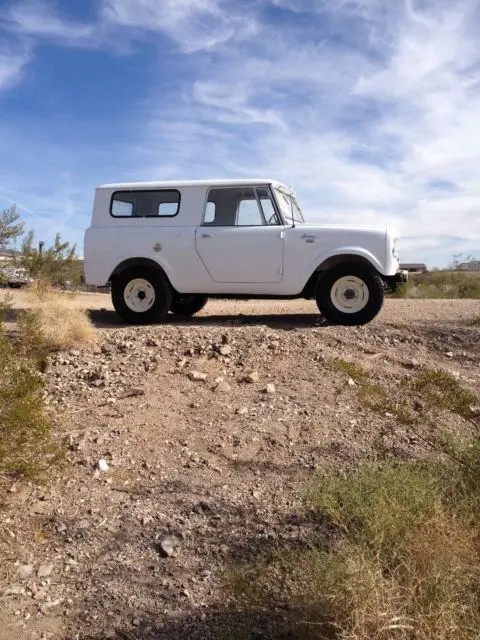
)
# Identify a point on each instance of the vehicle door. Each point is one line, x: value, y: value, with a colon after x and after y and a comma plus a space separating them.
x: 242, y: 236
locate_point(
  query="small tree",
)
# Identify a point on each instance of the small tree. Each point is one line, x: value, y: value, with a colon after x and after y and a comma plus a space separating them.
x: 459, y: 259
x: 55, y: 265
x: 11, y: 226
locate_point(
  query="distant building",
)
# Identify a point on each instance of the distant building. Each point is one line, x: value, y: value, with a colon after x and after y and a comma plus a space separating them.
x: 414, y: 267
x: 8, y: 254
x: 473, y: 265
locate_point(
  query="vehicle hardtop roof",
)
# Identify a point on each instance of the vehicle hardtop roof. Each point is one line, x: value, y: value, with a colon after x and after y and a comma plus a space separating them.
x: 191, y: 183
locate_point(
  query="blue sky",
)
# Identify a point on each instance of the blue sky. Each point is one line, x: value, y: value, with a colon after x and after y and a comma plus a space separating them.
x: 370, y: 109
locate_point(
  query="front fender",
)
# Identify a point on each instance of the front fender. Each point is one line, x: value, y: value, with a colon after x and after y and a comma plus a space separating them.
x: 346, y: 251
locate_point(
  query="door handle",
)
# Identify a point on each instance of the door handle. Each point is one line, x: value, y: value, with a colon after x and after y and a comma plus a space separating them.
x: 307, y: 237
x: 206, y: 235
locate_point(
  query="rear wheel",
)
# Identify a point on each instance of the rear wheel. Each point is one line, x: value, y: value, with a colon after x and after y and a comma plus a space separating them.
x: 350, y: 295
x: 141, y: 296
x: 188, y: 305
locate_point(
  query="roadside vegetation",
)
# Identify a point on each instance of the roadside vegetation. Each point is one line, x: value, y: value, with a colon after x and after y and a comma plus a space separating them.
x: 441, y: 284
x: 397, y: 555
x: 25, y: 445
x: 60, y: 321
x: 52, y: 322
x: 56, y: 265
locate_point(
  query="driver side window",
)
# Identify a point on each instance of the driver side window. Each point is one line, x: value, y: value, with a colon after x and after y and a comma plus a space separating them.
x: 240, y: 207
x: 268, y: 208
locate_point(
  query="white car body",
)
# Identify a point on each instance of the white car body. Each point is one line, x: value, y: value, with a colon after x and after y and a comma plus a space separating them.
x: 266, y: 260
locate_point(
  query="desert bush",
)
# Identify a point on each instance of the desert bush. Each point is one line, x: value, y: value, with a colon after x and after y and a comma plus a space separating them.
x: 60, y: 322
x: 25, y: 445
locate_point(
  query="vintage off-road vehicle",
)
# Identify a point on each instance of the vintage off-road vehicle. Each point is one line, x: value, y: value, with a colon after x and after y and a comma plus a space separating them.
x: 168, y: 247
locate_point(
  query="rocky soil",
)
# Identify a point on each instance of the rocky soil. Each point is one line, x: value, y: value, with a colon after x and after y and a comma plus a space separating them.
x: 188, y: 447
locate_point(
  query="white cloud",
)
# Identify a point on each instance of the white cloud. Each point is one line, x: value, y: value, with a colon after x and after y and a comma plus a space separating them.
x: 37, y: 18
x: 194, y: 24
x: 12, y: 62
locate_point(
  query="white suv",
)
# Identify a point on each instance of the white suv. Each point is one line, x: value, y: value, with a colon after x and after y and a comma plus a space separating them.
x: 168, y: 246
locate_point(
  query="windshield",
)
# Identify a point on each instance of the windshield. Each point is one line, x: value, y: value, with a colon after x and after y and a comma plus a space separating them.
x: 289, y: 205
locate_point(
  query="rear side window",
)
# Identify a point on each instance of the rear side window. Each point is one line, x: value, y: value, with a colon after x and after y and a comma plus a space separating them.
x: 145, y: 204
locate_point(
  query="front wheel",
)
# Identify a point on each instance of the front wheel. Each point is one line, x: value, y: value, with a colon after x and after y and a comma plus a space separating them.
x: 188, y: 305
x: 350, y: 295
x: 141, y: 296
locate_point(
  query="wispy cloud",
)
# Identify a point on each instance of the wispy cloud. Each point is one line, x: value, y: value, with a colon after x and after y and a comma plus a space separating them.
x: 39, y: 19
x: 13, y: 59
x: 194, y: 24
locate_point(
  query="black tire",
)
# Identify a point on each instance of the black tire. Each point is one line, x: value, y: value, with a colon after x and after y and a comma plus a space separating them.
x: 188, y: 305
x: 158, y: 287
x: 366, y: 288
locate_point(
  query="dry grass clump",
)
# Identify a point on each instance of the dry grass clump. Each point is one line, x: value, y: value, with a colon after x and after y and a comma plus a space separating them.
x: 58, y: 318
x: 415, y: 401
x: 352, y: 370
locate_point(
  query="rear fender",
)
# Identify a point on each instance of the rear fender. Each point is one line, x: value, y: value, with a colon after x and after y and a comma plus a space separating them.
x: 139, y: 262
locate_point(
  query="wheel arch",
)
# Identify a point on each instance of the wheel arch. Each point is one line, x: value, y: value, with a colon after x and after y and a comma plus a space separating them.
x: 357, y: 259
x: 145, y: 263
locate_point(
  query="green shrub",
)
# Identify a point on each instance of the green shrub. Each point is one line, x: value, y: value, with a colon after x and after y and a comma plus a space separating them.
x: 380, y: 505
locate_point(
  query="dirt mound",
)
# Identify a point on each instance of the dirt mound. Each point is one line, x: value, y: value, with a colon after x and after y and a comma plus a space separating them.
x: 209, y: 431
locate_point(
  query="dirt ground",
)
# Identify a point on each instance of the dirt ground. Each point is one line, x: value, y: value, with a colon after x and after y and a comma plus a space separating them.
x: 210, y: 428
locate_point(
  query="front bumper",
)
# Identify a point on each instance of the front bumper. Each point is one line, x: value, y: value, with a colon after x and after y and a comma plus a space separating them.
x: 400, y: 278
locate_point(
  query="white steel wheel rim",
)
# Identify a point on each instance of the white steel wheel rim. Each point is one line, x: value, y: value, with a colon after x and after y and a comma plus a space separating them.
x: 139, y: 295
x: 350, y: 294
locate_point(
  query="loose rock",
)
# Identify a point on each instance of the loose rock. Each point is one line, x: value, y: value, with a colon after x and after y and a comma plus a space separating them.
x: 226, y: 350
x: 44, y: 570
x: 223, y: 387
x: 197, y: 376
x: 102, y: 465
x: 25, y: 571
x: 168, y: 545
x: 15, y: 590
